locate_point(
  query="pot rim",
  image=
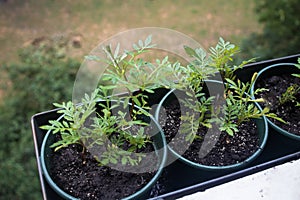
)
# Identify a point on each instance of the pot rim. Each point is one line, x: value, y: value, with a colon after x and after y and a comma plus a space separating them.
x: 227, y: 167
x: 65, y: 195
x: 273, y: 125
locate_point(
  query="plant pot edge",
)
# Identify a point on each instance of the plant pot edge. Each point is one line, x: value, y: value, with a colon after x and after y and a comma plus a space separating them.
x: 263, y: 135
x: 273, y: 125
x: 136, y: 195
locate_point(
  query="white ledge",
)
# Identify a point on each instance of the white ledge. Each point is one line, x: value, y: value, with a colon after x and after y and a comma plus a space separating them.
x: 277, y: 183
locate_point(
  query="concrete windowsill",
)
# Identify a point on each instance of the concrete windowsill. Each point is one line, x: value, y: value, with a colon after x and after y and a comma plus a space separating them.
x: 277, y: 183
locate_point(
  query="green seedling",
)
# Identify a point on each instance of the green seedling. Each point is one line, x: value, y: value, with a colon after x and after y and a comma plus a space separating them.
x: 237, y: 106
x: 129, y: 70
x: 217, y: 60
x: 108, y: 132
x: 240, y: 107
x: 117, y: 135
x: 290, y: 94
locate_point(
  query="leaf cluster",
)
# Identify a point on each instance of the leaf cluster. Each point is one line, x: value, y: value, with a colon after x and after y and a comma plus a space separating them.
x: 229, y: 108
x: 219, y: 59
x: 84, y: 125
x: 290, y: 95
x: 280, y: 22
x: 131, y: 71
x: 118, y: 134
x: 29, y: 86
x: 291, y: 92
x: 139, y: 77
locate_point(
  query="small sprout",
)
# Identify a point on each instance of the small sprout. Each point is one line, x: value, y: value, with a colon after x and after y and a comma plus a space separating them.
x: 290, y: 94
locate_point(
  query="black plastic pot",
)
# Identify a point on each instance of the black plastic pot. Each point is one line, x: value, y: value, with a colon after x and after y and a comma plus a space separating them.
x: 272, y: 70
x: 215, y: 88
x: 176, y: 182
x: 159, y: 144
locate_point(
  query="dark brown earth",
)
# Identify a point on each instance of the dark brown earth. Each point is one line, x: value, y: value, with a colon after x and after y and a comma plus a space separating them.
x: 83, y: 178
x: 227, y: 150
x: 276, y: 86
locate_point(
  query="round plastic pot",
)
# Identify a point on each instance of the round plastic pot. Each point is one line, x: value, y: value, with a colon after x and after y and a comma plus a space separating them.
x: 159, y: 144
x: 273, y: 70
x: 261, y: 123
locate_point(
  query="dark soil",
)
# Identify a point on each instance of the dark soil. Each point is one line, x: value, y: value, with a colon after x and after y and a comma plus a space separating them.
x: 276, y: 86
x: 227, y: 150
x: 85, y: 179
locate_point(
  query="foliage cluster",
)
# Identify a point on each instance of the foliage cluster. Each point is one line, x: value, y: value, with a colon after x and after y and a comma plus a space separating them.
x: 40, y: 78
x: 289, y: 96
x: 112, y: 131
x: 229, y: 108
x: 281, y: 23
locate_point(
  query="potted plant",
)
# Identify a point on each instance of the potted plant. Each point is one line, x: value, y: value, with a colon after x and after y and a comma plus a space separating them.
x: 179, y: 179
x: 221, y: 125
x: 282, y: 96
x: 107, y: 135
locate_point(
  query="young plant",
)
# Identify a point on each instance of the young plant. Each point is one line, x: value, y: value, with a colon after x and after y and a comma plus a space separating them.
x: 217, y: 60
x: 94, y: 125
x: 228, y: 109
x: 290, y: 95
x: 222, y: 56
x: 291, y: 92
x: 105, y: 131
x: 74, y: 118
x: 240, y: 107
x: 198, y: 70
x: 137, y: 76
x: 199, y: 107
x: 117, y: 134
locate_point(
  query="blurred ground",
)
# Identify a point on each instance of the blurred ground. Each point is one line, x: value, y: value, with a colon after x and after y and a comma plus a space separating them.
x: 91, y: 21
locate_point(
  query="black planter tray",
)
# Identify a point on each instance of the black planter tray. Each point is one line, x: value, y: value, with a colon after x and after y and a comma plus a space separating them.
x: 178, y: 180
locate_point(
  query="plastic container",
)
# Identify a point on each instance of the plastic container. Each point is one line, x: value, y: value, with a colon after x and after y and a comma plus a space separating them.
x: 262, y: 128
x: 272, y: 70
x: 175, y: 182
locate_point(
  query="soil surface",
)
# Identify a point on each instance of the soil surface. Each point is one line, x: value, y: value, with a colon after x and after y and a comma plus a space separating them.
x: 85, y: 179
x: 276, y: 86
x: 227, y: 149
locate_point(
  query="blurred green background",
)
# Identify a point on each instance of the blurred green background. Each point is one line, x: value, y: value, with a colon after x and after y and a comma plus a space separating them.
x: 42, y: 44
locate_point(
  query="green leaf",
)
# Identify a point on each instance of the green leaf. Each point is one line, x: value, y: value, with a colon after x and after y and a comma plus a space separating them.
x: 58, y: 105
x: 135, y: 47
x: 113, y: 160
x: 124, y: 160
x: 140, y: 42
x: 136, y: 101
x: 148, y: 40
x: 66, y: 124
x: 191, y: 52
x: 230, y: 132
x: 104, y: 161
x: 46, y: 127
x: 232, y: 84
x: 117, y: 50
x: 92, y: 57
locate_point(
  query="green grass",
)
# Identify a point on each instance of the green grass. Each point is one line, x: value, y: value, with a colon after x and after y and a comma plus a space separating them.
x: 21, y: 21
